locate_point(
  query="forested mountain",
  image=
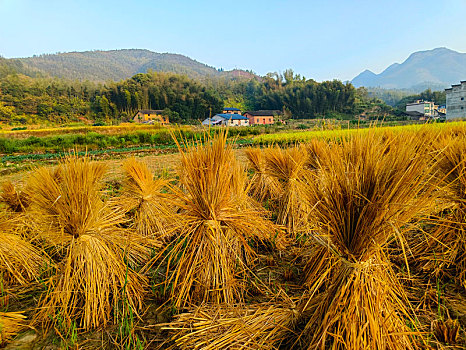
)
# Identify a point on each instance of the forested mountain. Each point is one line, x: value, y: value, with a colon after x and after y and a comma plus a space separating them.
x: 436, y: 69
x: 14, y: 66
x: 187, y: 93
x: 118, y: 65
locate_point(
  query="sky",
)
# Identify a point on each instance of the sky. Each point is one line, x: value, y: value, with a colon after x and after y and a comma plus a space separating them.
x: 322, y: 40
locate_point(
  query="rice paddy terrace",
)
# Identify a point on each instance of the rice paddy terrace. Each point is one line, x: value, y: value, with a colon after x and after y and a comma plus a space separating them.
x: 345, y: 239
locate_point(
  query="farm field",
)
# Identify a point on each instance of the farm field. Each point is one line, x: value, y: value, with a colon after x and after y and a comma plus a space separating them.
x: 48, y: 142
x: 334, y: 239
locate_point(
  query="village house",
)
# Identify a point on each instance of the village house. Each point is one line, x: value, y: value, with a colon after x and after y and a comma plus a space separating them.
x: 456, y: 101
x: 424, y: 107
x: 230, y: 110
x: 226, y: 119
x: 150, y: 116
x: 263, y: 117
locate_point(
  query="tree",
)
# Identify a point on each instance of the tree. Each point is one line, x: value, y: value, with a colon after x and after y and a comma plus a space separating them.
x: 6, y: 112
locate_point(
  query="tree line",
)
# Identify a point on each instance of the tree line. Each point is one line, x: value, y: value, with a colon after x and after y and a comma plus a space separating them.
x: 28, y: 97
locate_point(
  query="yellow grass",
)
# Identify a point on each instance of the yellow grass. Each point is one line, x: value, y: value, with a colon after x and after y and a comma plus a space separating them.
x: 233, y: 326
x: 288, y: 167
x: 443, y: 250
x: 262, y: 185
x: 147, y: 199
x: 11, y: 323
x: 20, y: 261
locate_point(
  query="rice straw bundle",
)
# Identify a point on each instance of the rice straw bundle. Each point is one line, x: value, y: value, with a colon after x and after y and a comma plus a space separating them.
x: 144, y: 195
x: 238, y: 326
x: 11, y: 323
x: 95, y: 271
x: 16, y: 201
x: 262, y: 185
x: 217, y: 219
x: 288, y: 167
x: 444, y: 249
x: 20, y: 261
x: 315, y: 150
x: 362, y: 197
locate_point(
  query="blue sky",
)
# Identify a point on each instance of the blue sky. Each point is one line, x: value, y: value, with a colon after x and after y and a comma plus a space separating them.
x: 318, y: 39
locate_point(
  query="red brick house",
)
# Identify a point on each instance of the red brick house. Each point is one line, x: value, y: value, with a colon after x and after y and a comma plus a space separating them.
x: 263, y: 117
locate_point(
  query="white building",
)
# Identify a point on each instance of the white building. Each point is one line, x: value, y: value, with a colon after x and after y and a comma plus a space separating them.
x: 456, y: 101
x: 227, y: 119
x: 425, y: 107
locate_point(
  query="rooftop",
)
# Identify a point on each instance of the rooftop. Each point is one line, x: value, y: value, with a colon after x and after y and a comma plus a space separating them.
x: 150, y: 111
x: 456, y: 85
x: 231, y: 116
x: 415, y: 114
x: 231, y: 109
x: 418, y: 102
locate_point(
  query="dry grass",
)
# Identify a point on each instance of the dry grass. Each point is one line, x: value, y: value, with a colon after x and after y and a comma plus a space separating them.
x: 211, y: 254
x: 233, y: 326
x: 446, y: 331
x: 15, y: 201
x: 288, y: 167
x: 11, y: 323
x: 20, y: 261
x: 316, y: 150
x: 262, y: 185
x: 96, y: 256
x: 362, y: 197
x: 147, y: 199
x: 443, y: 251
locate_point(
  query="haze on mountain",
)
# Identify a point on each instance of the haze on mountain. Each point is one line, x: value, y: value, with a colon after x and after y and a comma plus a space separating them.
x: 117, y: 65
x: 436, y: 69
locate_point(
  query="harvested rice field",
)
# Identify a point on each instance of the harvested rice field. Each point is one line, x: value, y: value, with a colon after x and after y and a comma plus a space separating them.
x: 348, y: 241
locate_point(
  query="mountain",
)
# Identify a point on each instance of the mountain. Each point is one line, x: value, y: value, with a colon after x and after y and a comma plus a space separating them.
x: 366, y: 78
x: 436, y: 69
x: 14, y: 66
x: 120, y: 64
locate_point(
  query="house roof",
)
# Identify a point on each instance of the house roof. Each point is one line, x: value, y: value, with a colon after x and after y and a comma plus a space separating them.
x: 419, y: 102
x: 264, y: 112
x: 150, y: 111
x: 415, y: 114
x: 231, y: 116
x: 210, y: 121
x: 231, y: 109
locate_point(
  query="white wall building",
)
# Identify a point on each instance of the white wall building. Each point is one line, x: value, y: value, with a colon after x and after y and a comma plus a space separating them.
x: 425, y: 107
x: 456, y: 101
x: 227, y: 119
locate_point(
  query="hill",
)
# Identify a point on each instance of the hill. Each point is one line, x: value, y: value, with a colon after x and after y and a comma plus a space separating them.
x: 436, y: 69
x: 118, y: 65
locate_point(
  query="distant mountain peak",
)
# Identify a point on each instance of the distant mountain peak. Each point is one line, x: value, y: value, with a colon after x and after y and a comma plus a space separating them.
x: 436, y: 69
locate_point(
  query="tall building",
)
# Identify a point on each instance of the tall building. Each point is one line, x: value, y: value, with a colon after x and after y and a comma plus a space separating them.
x: 456, y: 101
